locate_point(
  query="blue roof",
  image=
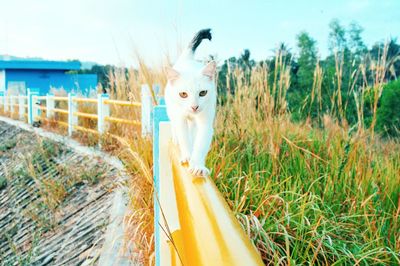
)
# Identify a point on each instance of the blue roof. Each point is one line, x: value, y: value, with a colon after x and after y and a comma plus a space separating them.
x: 40, y: 64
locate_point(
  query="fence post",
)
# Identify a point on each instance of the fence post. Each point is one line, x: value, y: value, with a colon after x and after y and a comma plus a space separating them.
x: 50, y: 105
x: 72, y: 108
x: 12, y: 104
x: 147, y: 106
x: 103, y: 110
x: 32, y: 110
x: 2, y: 98
x: 21, y: 107
x: 6, y: 104
x: 35, y: 108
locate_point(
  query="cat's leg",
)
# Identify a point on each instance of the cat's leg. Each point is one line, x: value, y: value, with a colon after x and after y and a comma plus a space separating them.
x: 202, y: 143
x: 192, y: 134
x: 182, y: 134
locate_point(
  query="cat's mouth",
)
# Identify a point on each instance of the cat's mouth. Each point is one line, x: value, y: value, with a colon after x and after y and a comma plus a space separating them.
x: 195, y: 111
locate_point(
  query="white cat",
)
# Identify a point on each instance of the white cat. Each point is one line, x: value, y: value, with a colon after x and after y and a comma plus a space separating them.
x: 190, y: 96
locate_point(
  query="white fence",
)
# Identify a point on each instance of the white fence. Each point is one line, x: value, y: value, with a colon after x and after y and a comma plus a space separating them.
x: 28, y: 108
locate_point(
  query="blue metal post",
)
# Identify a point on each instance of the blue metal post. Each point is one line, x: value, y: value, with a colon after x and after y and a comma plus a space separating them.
x: 50, y: 105
x: 159, y: 115
x: 72, y: 108
x: 147, y: 106
x: 2, y: 99
x: 31, y: 94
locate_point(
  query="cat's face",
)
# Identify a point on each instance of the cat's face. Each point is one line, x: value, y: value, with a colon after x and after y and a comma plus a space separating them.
x: 193, y: 91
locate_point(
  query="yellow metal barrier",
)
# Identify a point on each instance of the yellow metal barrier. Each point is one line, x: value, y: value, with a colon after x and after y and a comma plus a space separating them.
x: 87, y: 115
x: 58, y: 98
x: 85, y: 100
x: 209, y: 231
x: 62, y: 111
x: 123, y: 103
x: 103, y: 113
x: 88, y: 130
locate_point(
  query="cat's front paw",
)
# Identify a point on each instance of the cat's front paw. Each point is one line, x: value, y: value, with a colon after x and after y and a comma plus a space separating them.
x: 198, y: 170
x: 185, y: 159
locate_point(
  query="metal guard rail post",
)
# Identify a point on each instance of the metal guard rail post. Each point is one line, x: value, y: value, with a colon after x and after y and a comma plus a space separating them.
x: 32, y: 110
x: 202, y: 229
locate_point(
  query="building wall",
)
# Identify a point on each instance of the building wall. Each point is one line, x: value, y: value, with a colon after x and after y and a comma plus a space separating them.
x: 21, y: 79
x: 2, y: 80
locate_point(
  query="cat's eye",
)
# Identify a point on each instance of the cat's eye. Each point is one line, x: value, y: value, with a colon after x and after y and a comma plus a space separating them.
x: 203, y: 93
x: 183, y: 94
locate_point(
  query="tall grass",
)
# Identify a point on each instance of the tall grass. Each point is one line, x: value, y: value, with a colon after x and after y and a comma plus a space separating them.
x: 306, y: 195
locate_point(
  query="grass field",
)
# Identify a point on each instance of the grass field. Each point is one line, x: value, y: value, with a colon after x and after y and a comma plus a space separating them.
x: 306, y: 194
x: 309, y: 196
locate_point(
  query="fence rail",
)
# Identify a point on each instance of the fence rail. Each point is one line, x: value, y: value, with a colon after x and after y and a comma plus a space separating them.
x: 123, y: 103
x: 86, y: 115
x: 31, y: 105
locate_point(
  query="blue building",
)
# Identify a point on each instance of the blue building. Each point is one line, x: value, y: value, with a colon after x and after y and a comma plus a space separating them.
x: 16, y: 76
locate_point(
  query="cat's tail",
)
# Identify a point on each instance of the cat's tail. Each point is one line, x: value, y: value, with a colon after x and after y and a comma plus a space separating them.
x: 188, y: 53
x: 201, y: 35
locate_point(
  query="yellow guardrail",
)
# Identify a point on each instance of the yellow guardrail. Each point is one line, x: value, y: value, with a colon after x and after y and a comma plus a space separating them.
x: 210, y: 232
x: 193, y: 223
x: 123, y: 103
x: 32, y: 105
x: 87, y: 130
x: 62, y: 111
x: 85, y: 100
x: 59, y: 98
x: 87, y: 115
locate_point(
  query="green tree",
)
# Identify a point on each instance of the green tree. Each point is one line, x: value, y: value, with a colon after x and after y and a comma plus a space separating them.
x: 307, y: 60
x: 337, y: 36
x: 356, y: 43
x: 388, y: 116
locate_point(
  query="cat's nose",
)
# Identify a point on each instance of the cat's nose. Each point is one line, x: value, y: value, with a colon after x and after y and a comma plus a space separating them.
x: 194, y: 108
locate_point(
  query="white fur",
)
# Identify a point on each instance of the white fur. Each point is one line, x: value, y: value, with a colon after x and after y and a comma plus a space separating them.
x: 192, y: 130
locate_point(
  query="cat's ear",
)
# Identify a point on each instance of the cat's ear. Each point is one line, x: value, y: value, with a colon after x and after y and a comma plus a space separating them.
x: 210, y: 70
x: 172, y: 74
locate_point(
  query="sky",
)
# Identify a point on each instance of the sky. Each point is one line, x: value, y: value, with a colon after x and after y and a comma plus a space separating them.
x: 113, y: 32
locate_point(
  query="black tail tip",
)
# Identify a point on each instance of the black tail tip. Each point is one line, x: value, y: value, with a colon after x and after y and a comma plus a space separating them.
x: 201, y: 35
x: 205, y: 34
